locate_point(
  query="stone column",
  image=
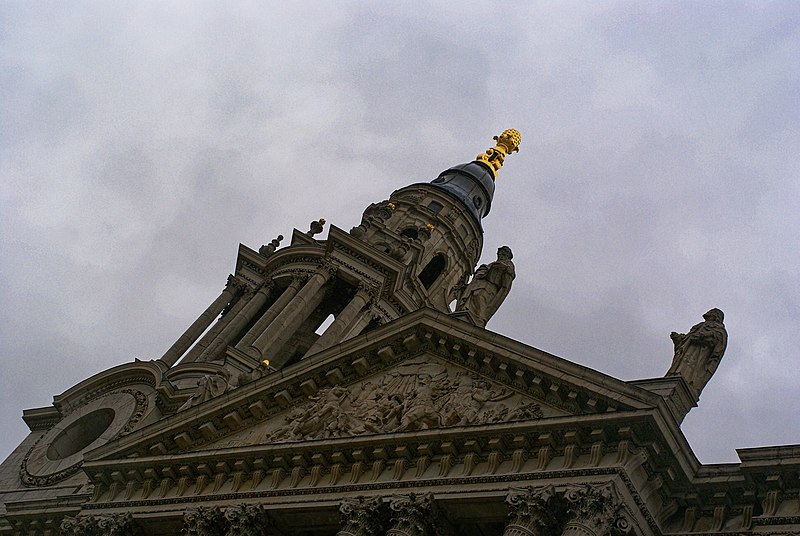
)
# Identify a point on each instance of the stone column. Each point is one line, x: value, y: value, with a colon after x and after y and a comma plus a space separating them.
x: 294, y: 314
x: 245, y: 345
x: 204, y: 522
x: 361, y: 517
x: 415, y: 515
x: 238, y: 322
x: 197, y: 328
x: 343, y: 321
x: 530, y: 511
x: 211, y: 335
x: 593, y: 510
x: 246, y: 520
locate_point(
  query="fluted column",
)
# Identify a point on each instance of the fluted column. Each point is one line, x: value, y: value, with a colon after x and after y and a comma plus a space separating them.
x: 530, y: 512
x: 238, y: 322
x: 250, y: 337
x: 343, y: 321
x: 593, y: 510
x: 294, y: 314
x: 361, y: 517
x: 197, y: 328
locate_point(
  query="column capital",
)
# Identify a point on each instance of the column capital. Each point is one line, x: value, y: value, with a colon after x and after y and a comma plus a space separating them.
x: 415, y: 515
x: 96, y: 525
x: 329, y: 266
x: 204, y: 521
x: 530, y: 511
x: 361, y: 517
x: 246, y: 520
x: 594, y: 510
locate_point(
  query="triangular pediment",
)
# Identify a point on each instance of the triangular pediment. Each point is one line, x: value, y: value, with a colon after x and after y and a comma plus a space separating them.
x: 420, y: 393
x: 424, y: 372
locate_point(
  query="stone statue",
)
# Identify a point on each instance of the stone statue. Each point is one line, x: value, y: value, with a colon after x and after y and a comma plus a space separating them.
x: 698, y: 353
x: 208, y: 387
x: 489, y: 287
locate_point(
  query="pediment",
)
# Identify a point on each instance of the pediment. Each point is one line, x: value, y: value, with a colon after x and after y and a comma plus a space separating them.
x: 424, y: 372
x: 421, y: 393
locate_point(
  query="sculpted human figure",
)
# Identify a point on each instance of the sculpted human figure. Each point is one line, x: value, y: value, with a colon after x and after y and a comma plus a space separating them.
x: 208, y: 387
x: 698, y: 353
x: 489, y: 287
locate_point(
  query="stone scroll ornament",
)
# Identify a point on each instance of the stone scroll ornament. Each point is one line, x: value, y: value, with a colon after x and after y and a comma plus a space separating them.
x: 240, y: 520
x: 594, y: 510
x: 103, y: 525
x: 698, y: 353
x: 418, y: 395
x: 361, y: 516
x: 489, y: 287
x: 416, y: 515
x: 531, y: 511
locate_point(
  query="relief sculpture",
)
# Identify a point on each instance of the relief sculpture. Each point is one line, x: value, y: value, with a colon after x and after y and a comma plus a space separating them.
x: 417, y: 395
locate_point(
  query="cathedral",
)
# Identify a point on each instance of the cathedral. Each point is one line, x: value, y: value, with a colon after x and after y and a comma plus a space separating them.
x: 345, y: 385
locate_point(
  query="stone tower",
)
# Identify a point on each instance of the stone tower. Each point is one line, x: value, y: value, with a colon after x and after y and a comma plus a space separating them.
x: 416, y: 249
x: 346, y: 386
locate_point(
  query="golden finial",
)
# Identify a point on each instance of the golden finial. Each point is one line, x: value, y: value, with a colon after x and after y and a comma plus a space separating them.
x: 507, y: 142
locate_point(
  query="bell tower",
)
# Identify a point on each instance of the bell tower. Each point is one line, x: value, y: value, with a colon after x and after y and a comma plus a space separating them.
x: 416, y: 249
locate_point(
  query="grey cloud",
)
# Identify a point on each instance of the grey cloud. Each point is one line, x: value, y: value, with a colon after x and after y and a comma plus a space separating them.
x: 656, y: 177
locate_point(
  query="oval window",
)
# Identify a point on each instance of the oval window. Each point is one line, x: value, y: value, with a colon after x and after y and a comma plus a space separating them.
x: 80, y: 434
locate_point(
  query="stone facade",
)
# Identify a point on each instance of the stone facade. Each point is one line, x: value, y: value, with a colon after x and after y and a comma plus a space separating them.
x: 404, y: 417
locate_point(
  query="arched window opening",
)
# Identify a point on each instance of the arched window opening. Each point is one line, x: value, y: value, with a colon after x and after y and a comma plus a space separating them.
x: 410, y: 232
x: 433, y: 270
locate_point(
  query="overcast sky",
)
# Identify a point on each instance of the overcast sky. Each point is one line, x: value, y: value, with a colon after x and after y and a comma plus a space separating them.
x: 657, y: 177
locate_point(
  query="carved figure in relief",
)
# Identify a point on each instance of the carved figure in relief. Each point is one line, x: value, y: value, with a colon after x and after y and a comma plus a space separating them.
x: 489, y: 287
x: 208, y: 387
x: 698, y: 353
x: 416, y: 396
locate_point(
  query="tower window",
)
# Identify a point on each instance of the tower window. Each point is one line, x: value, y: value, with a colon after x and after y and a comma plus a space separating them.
x: 433, y: 270
x: 435, y: 207
x: 410, y: 232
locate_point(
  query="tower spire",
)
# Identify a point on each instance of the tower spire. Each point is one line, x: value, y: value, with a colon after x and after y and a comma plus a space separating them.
x: 507, y: 142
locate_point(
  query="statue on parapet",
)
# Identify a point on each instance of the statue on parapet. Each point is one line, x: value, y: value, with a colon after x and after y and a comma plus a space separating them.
x: 698, y: 353
x: 489, y: 287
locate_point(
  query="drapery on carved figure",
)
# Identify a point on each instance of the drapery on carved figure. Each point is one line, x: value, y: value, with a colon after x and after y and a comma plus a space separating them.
x: 489, y: 287
x: 698, y: 353
x: 208, y: 387
x: 417, y: 395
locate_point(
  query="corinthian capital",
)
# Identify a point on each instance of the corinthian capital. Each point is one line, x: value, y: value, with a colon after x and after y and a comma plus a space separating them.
x: 594, y: 510
x: 361, y: 517
x: 204, y: 522
x: 108, y: 525
x: 415, y: 515
x: 530, y: 511
x: 246, y: 520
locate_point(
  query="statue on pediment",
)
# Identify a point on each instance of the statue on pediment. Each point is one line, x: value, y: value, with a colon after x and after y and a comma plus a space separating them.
x: 698, y: 353
x: 489, y: 287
